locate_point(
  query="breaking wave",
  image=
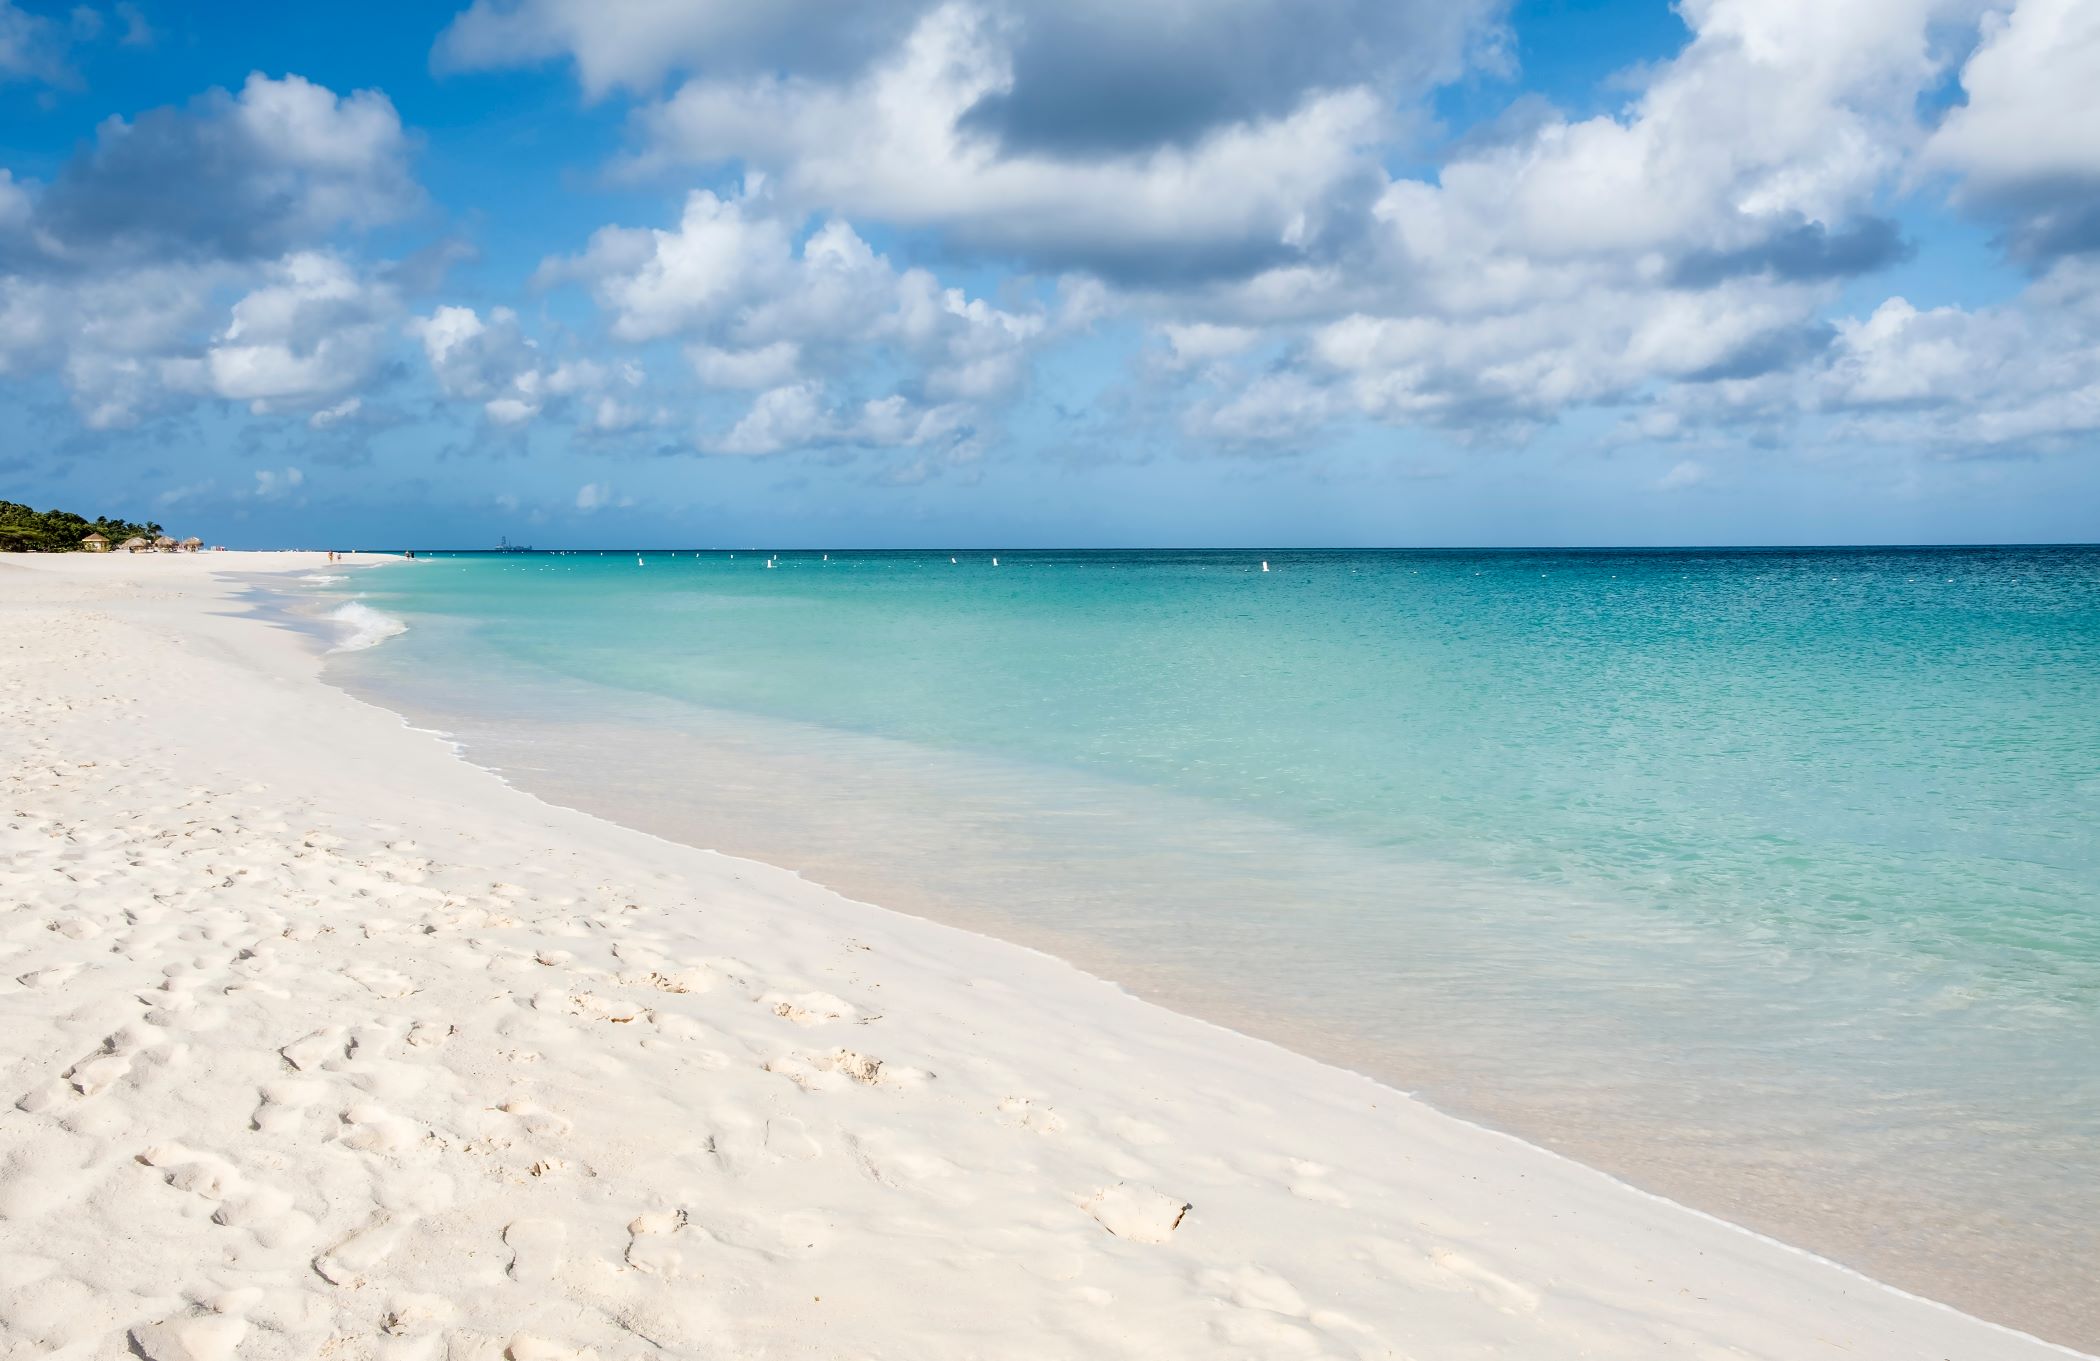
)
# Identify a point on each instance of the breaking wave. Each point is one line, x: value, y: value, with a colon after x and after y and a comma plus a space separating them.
x: 360, y: 626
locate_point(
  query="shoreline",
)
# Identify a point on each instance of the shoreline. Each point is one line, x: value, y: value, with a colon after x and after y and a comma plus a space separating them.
x: 1687, y: 1055
x: 1013, y: 1083
x: 953, y: 839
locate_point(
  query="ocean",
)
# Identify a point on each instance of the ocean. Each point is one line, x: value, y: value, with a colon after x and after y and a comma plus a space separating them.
x: 1767, y: 880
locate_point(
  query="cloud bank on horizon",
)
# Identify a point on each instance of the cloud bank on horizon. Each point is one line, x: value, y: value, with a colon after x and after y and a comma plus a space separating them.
x: 868, y: 260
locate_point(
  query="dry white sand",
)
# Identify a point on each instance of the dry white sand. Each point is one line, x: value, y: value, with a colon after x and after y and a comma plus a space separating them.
x: 316, y: 1041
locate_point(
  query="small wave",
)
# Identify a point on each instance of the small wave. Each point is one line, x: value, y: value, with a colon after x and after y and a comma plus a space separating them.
x: 324, y: 579
x: 363, y: 627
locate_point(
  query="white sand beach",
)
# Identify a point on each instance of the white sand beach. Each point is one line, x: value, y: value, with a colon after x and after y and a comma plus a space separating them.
x: 316, y: 1040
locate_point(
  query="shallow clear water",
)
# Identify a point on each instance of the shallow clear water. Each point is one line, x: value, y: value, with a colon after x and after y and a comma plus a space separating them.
x: 1769, y: 880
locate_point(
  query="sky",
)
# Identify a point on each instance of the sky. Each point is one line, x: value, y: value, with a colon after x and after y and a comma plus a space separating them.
x: 1014, y: 273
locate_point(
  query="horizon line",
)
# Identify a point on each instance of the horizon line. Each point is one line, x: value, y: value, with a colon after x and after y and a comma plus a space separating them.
x: 1222, y: 548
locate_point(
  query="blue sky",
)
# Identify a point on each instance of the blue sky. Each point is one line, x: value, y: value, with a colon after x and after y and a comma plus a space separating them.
x: 1007, y: 273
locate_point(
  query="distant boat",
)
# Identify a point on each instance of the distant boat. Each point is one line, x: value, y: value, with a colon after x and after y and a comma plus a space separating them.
x: 995, y: 562
x: 638, y: 561
x: 506, y: 546
x: 1265, y: 564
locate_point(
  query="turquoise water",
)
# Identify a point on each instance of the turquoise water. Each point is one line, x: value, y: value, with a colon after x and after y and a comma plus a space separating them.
x: 1768, y: 879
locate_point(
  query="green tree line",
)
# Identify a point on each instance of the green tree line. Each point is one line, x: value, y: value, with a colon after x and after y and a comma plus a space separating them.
x: 25, y: 530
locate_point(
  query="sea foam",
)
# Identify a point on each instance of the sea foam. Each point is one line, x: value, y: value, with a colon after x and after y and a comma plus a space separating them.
x: 360, y: 626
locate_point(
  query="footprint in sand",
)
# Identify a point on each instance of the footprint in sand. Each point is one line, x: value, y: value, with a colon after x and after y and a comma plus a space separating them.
x: 412, y: 1315
x: 684, y: 1030
x: 842, y: 1068
x: 410, y: 1191
x: 652, y: 971
x: 665, y: 1242
x: 1308, y: 1181
x: 381, y: 981
x: 369, y: 1127
x: 1443, y: 1267
x: 185, y: 1169
x: 808, y: 1008
x: 1139, y: 1133
x: 1139, y: 1213
x: 202, y: 1337
x: 264, y: 1211
x: 430, y: 1034
x: 1505, y: 1294
x: 529, y: 1347
x: 1253, y: 1287
x: 350, y: 1262
x: 1255, y: 1333
x: 315, y: 1050
x: 98, y: 1072
x: 56, y: 975
x: 534, y: 1120
x: 536, y: 1248
x: 656, y: 1243
x: 786, y: 1137
x: 590, y: 1006
x: 895, y: 1160
x: 1029, y: 1113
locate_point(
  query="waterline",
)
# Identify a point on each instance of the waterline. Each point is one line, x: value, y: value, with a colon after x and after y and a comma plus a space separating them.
x: 1861, y: 1029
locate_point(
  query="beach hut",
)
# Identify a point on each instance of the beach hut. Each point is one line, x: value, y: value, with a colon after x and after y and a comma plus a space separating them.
x: 95, y: 543
x: 135, y: 544
x: 192, y: 544
x: 165, y: 544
